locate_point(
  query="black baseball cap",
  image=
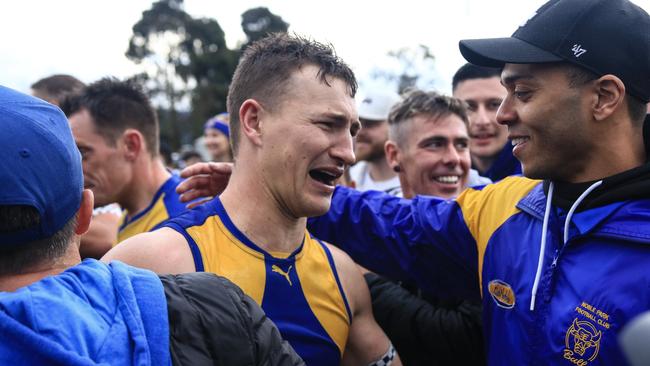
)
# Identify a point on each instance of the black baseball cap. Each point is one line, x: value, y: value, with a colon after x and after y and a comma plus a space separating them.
x: 603, y: 36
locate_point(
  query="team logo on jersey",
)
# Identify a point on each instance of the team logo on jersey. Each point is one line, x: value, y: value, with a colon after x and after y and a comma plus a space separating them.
x: 582, y: 342
x: 279, y: 270
x: 502, y: 294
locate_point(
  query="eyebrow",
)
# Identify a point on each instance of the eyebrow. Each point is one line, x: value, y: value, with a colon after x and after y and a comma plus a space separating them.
x: 510, y: 79
x: 341, y: 119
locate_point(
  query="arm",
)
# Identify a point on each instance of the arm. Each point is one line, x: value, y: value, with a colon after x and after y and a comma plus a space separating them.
x: 161, y: 251
x: 424, y: 240
x: 367, y: 343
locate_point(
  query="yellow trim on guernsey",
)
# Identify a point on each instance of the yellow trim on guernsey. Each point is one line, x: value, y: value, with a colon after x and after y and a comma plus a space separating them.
x: 486, y: 210
x: 156, y: 215
x: 328, y: 312
x: 244, y: 267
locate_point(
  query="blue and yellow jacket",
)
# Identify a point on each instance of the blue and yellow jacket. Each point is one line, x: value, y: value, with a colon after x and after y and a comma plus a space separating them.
x: 487, y: 244
x: 164, y: 205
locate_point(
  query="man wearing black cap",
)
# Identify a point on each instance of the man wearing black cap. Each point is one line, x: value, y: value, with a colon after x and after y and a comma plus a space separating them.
x: 561, y: 261
x: 55, y: 310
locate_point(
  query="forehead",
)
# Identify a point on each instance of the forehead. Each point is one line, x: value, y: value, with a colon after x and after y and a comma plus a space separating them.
x: 542, y: 73
x: 83, y: 127
x: 480, y: 89
x: 448, y: 125
x: 307, y: 92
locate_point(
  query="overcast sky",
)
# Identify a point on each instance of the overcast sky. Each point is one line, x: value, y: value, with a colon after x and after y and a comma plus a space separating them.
x: 88, y: 38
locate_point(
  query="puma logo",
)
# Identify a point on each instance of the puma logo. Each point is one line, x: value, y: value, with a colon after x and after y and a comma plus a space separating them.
x: 279, y: 270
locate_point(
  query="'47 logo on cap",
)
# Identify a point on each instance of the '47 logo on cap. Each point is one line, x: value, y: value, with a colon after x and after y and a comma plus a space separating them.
x: 578, y: 50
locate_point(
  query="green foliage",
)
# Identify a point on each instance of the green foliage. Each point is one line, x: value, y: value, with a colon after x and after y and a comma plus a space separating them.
x: 186, y: 61
x: 259, y: 22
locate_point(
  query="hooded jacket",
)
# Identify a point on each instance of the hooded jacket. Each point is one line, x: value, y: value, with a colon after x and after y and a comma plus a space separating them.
x: 90, y: 314
x: 559, y: 275
x: 115, y: 314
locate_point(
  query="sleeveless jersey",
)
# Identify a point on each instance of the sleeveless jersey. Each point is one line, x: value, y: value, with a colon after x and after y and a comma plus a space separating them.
x: 164, y: 205
x: 300, y: 292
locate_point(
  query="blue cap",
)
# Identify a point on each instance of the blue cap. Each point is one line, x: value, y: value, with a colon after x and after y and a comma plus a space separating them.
x: 220, y: 123
x: 40, y: 165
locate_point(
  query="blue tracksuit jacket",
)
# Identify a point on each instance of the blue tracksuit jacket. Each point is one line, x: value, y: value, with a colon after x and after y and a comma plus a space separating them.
x: 487, y: 243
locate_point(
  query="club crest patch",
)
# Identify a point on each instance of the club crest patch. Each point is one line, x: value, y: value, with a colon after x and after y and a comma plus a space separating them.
x: 583, y: 337
x: 502, y: 294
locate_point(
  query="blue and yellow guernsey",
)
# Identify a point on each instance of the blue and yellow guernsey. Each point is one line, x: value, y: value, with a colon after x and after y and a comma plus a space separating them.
x: 299, y: 291
x: 165, y: 204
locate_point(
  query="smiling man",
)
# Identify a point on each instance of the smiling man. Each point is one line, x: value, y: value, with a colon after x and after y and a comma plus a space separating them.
x: 561, y: 263
x: 429, y: 145
x: 480, y: 87
x: 293, y: 118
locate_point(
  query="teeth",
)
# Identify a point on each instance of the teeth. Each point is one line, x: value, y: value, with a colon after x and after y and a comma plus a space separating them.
x: 450, y: 179
x: 519, y: 140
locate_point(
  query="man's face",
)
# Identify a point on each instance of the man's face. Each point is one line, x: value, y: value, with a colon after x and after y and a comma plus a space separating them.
x: 307, y: 143
x: 434, y: 158
x: 547, y: 121
x: 369, y: 145
x: 106, y: 172
x: 483, y: 96
x: 216, y: 143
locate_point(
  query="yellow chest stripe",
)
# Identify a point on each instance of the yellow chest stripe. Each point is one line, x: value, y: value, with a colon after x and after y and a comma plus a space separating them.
x: 486, y: 210
x: 244, y: 267
x: 316, y: 277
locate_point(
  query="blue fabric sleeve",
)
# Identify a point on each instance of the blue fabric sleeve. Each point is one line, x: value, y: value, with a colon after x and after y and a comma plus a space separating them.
x: 424, y: 240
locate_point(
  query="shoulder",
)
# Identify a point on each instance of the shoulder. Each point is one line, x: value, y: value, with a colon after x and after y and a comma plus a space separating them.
x: 505, y: 192
x: 162, y: 251
x: 193, y: 217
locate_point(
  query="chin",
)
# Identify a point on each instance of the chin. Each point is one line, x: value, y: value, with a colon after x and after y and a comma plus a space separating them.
x: 532, y: 173
x: 315, y: 209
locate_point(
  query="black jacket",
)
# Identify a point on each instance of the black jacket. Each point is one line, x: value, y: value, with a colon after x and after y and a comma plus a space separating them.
x: 425, y: 332
x: 212, y: 322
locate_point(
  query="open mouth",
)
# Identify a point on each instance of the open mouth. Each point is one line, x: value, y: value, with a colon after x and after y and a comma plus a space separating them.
x: 519, y: 140
x: 327, y: 177
x: 447, y: 179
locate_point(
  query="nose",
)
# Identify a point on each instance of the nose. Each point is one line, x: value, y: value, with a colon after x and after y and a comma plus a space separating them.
x: 451, y: 156
x: 481, y: 116
x: 506, y: 114
x: 343, y: 151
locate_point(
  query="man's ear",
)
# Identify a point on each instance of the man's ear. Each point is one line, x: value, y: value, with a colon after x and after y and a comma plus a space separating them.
x: 133, y: 143
x: 392, y: 155
x: 610, y: 95
x: 250, y: 121
x: 85, y: 212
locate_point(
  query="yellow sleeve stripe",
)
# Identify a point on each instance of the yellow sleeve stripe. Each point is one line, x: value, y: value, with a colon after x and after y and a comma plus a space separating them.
x: 484, y: 211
